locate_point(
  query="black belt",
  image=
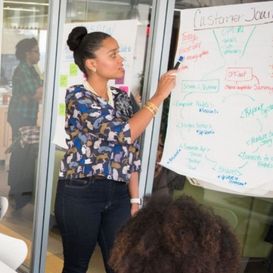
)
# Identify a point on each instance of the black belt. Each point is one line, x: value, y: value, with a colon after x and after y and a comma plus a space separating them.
x: 95, y: 177
x: 89, y: 178
x: 84, y: 180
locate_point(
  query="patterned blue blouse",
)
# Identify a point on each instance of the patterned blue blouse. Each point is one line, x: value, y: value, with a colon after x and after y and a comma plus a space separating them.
x: 100, y: 136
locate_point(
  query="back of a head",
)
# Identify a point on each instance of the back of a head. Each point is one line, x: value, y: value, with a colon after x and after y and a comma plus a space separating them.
x: 24, y: 46
x: 84, y: 44
x: 180, y: 236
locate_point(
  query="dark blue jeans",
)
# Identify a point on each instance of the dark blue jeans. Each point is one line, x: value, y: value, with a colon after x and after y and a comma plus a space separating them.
x: 89, y: 211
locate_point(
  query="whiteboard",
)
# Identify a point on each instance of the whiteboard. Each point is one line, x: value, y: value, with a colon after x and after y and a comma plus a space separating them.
x: 124, y: 31
x: 220, y: 123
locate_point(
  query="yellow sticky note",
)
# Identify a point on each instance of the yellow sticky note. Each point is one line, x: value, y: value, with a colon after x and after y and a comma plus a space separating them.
x: 61, y: 109
x: 73, y: 70
x: 63, y: 81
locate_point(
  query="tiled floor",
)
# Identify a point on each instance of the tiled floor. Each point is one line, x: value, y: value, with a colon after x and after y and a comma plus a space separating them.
x: 20, y: 224
x: 21, y: 227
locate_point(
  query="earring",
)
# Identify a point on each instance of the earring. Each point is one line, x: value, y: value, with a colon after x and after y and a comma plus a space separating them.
x: 94, y: 69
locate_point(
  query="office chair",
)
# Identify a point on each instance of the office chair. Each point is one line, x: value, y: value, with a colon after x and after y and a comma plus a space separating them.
x: 4, y: 203
x: 6, y: 269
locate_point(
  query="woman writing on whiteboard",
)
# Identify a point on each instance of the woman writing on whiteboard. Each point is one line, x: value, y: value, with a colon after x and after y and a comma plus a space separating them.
x: 98, y: 184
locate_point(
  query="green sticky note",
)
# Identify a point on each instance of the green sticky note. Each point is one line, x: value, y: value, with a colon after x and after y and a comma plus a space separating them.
x: 61, y: 109
x: 63, y: 80
x: 73, y: 70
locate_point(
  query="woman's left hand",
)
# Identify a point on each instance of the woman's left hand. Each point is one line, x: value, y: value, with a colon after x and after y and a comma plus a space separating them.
x: 134, y: 209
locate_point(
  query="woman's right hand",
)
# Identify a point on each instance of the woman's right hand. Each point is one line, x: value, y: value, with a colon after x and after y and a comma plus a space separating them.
x: 166, y: 84
x: 141, y: 119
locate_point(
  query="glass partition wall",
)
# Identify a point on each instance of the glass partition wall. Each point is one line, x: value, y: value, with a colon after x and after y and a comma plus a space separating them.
x: 23, y: 53
x: 250, y: 217
x: 154, y: 53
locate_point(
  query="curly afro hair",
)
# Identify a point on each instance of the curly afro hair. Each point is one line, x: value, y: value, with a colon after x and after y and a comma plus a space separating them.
x: 175, y: 236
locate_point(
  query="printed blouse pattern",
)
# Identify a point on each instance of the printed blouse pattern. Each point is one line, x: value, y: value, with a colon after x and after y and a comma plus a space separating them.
x: 100, y: 137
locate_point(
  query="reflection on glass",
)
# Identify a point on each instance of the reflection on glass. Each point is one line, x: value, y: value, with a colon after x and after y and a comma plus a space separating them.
x: 165, y: 181
x: 21, y: 86
x: 250, y: 217
x: 22, y: 116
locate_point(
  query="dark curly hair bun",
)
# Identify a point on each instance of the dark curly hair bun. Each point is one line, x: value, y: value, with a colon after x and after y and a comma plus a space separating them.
x: 75, y: 37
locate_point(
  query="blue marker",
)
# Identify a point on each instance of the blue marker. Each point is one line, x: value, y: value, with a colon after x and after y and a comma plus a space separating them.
x: 181, y: 58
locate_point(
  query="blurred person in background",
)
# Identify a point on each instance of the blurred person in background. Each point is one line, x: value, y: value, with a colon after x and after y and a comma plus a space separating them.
x: 22, y: 116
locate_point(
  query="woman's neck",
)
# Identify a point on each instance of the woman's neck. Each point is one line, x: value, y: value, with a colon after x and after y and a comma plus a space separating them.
x: 99, y: 86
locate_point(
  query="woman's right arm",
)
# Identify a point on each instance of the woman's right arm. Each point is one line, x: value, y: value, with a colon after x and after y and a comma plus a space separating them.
x: 111, y: 128
x: 142, y: 118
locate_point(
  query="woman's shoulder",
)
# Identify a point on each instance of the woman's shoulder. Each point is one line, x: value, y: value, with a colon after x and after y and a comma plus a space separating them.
x: 120, y: 95
x: 75, y: 88
x: 122, y: 102
x: 117, y: 92
x: 76, y: 92
x: 21, y: 68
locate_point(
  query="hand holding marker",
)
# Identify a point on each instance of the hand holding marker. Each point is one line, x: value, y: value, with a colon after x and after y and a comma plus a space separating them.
x: 181, y: 58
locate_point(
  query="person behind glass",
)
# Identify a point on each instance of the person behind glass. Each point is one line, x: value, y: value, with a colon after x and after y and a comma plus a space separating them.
x: 23, y: 111
x: 166, y: 181
x: 175, y: 236
x: 98, y: 184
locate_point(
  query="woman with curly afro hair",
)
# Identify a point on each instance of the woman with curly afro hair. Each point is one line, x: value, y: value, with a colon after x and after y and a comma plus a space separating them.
x: 175, y: 236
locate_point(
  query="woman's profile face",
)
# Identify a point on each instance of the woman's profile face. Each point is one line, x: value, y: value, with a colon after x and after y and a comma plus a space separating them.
x: 108, y: 62
x: 33, y: 55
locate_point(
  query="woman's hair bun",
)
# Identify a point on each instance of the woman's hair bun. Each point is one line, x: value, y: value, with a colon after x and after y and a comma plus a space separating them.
x: 75, y: 37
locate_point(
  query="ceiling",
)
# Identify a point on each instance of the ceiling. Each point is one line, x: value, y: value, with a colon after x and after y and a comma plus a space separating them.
x: 34, y: 13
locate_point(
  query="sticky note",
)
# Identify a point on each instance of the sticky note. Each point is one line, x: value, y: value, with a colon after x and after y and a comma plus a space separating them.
x: 124, y: 88
x: 63, y: 80
x: 73, y: 70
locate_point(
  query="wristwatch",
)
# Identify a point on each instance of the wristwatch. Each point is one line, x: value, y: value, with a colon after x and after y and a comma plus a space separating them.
x: 136, y: 201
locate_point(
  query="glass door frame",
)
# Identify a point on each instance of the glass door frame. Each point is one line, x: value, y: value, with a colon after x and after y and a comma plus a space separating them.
x: 158, y: 56
x: 57, y: 11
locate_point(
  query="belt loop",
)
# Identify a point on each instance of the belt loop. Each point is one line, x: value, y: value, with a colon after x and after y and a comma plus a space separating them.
x: 92, y: 179
x: 98, y: 177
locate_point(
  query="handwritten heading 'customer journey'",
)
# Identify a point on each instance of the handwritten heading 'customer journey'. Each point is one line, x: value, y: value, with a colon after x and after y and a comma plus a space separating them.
x: 220, y: 124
